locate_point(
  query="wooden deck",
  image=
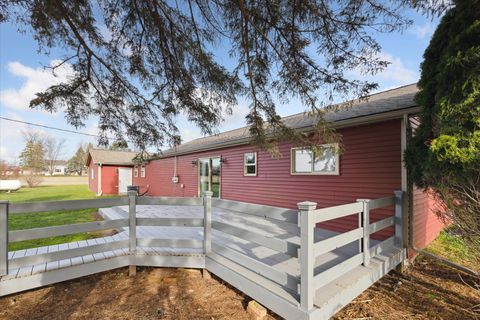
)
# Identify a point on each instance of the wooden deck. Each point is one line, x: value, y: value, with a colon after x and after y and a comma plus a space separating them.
x: 254, y: 248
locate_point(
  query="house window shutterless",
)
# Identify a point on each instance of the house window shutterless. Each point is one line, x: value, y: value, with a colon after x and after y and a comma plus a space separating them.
x: 307, y: 162
x: 250, y: 164
x: 142, y: 171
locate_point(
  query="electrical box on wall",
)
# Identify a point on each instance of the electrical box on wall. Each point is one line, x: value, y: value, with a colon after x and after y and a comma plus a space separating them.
x: 175, y: 179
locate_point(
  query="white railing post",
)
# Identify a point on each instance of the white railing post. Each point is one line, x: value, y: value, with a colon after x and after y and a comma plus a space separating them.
x: 207, y: 223
x: 3, y: 237
x: 366, y: 230
x: 399, y: 206
x: 132, y: 219
x: 306, y: 257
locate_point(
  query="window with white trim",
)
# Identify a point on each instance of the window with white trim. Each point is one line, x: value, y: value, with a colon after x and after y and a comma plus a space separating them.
x: 135, y: 171
x: 92, y: 174
x: 142, y: 171
x: 306, y: 161
x: 250, y: 164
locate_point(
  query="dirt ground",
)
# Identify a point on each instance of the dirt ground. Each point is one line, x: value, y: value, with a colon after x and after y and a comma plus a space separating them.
x: 428, y: 291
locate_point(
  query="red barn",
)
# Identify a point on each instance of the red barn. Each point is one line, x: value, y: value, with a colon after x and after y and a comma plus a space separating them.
x: 374, y: 135
x: 110, y: 172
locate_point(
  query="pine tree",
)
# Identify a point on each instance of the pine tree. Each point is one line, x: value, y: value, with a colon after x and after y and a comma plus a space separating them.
x: 77, y: 163
x: 444, y: 153
x: 139, y: 64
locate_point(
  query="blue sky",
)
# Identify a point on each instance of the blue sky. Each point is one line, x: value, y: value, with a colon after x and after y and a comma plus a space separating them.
x: 22, y: 73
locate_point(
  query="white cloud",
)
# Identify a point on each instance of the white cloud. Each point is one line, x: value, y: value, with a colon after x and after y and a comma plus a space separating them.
x: 396, y: 71
x: 236, y: 119
x: 423, y: 31
x: 36, y: 80
x: 394, y: 75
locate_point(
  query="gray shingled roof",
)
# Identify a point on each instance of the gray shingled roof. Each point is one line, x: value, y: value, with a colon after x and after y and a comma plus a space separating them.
x: 111, y: 157
x: 380, y: 103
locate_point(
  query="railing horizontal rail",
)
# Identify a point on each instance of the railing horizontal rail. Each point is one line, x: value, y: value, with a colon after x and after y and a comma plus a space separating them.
x: 174, y: 201
x: 28, y: 207
x: 170, y: 243
x: 337, y: 241
x: 330, y: 213
x: 281, y: 214
x: 381, y: 203
x: 385, y: 244
x: 282, y: 278
x: 381, y: 224
x: 170, y: 222
x: 38, y: 233
x: 66, y: 254
x: 338, y: 270
x: 269, y: 242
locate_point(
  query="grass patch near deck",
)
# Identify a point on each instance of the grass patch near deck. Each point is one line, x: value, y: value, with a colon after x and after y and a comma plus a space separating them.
x: 51, y: 218
x: 453, y: 248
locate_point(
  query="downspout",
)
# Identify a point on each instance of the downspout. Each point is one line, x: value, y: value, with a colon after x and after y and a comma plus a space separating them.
x: 407, y: 185
x: 99, y: 174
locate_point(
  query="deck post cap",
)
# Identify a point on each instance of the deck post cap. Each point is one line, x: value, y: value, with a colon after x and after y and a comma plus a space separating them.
x: 398, y: 193
x: 307, y: 205
x: 364, y: 200
x: 207, y: 193
x: 132, y: 193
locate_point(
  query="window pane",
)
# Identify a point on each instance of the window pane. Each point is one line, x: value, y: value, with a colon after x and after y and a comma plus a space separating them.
x: 303, y: 160
x: 326, y: 162
x: 249, y: 158
x: 251, y: 169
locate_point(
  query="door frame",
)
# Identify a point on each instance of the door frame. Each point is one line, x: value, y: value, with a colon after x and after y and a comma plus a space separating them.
x: 118, y: 182
x: 209, y: 175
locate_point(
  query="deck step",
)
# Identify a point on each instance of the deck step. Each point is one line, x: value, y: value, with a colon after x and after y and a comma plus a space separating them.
x: 333, y: 296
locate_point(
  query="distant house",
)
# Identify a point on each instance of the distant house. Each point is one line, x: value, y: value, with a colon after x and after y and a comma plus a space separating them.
x: 59, y: 167
x: 110, y: 172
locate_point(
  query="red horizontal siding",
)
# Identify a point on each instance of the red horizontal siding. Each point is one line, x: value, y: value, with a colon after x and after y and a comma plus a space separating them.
x: 426, y: 224
x: 369, y: 168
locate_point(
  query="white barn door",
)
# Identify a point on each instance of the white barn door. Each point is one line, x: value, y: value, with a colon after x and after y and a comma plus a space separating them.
x: 124, y: 179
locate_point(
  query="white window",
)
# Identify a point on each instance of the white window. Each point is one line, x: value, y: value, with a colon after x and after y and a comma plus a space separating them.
x: 250, y: 164
x: 93, y: 174
x: 142, y: 171
x: 305, y: 161
x: 135, y: 171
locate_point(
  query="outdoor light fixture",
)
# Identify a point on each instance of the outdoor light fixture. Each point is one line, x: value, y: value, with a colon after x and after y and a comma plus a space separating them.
x: 223, y: 160
x: 194, y: 163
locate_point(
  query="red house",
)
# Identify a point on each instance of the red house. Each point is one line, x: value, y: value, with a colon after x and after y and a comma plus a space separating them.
x: 110, y: 172
x: 374, y: 136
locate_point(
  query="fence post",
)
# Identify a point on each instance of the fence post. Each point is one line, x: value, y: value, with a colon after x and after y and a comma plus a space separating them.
x: 399, y: 240
x: 366, y: 230
x: 306, y: 257
x: 3, y: 237
x: 207, y: 227
x: 132, y: 218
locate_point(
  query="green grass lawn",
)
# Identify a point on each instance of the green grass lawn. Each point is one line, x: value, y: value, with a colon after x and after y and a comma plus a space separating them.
x: 453, y: 248
x: 50, y: 218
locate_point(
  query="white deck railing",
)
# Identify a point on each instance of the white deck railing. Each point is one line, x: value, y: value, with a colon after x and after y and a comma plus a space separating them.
x: 298, y: 289
x: 310, y: 250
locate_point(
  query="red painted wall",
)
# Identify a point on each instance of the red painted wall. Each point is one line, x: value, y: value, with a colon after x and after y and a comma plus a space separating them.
x: 369, y: 168
x: 109, y: 179
x: 426, y: 225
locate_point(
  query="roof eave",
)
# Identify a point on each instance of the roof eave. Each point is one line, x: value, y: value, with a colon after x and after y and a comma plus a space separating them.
x: 360, y: 120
